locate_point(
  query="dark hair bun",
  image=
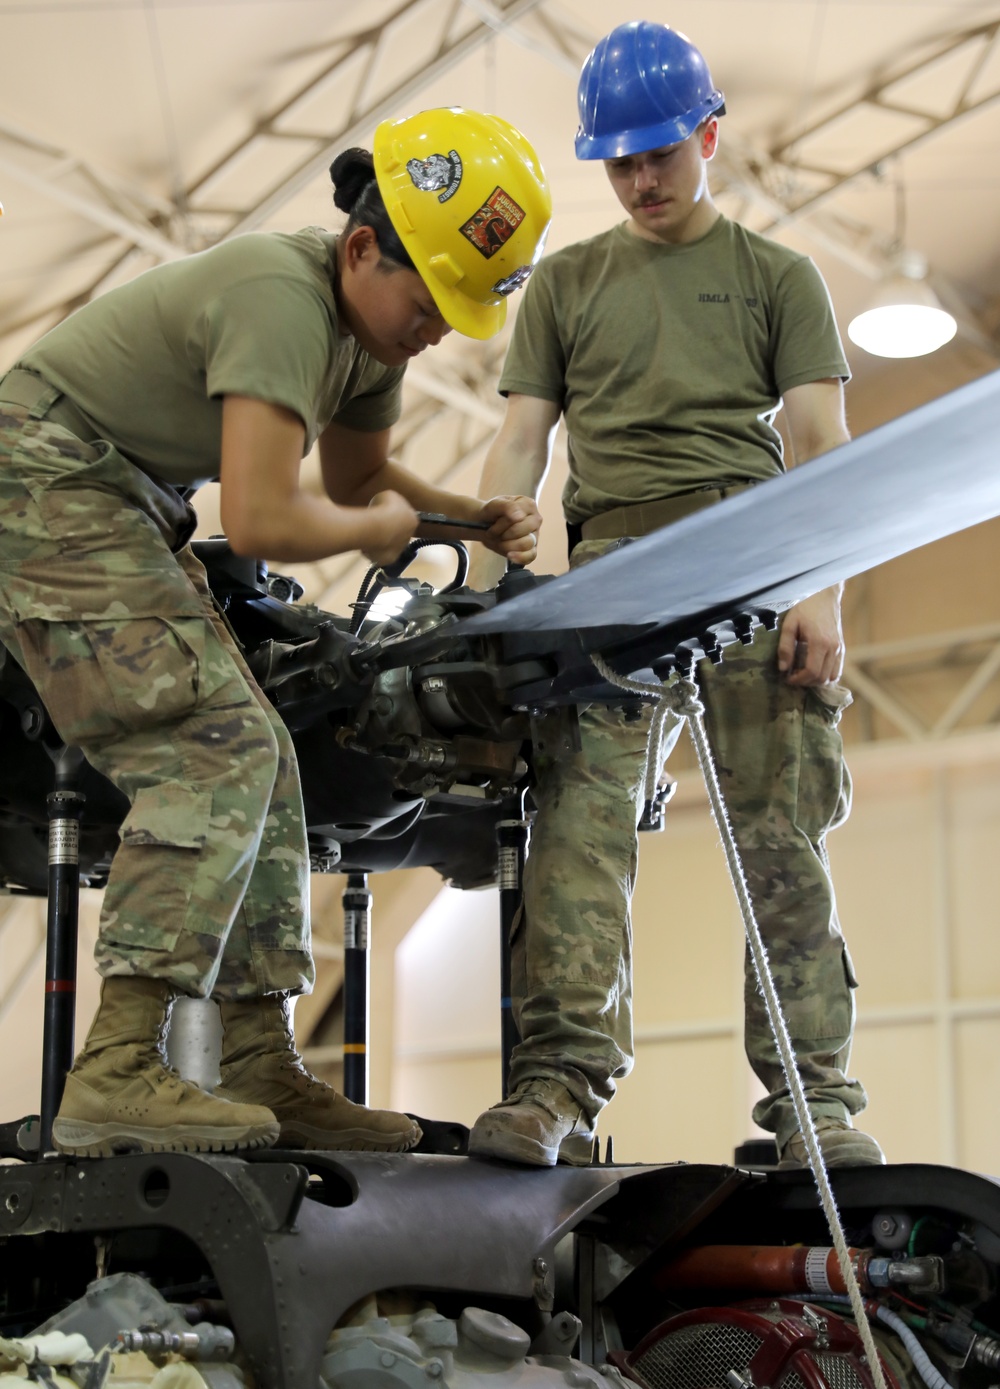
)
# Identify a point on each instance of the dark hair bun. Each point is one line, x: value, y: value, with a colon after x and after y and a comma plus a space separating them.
x: 351, y: 172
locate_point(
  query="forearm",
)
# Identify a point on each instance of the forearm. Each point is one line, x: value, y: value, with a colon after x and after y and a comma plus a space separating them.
x: 506, y: 471
x: 422, y: 496
x: 304, y: 528
x: 516, y: 464
x: 512, y: 468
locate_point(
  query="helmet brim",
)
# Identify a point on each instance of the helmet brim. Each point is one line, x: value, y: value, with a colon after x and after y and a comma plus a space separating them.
x: 621, y: 143
x: 465, y: 315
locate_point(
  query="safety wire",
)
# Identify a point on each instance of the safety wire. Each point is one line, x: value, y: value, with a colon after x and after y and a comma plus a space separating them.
x: 680, y: 697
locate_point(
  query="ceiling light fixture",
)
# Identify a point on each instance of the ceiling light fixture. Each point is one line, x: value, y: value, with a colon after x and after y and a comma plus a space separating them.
x: 905, y: 318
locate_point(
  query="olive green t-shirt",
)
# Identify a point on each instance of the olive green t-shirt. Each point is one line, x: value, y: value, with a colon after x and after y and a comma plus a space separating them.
x: 669, y: 362
x: 149, y: 363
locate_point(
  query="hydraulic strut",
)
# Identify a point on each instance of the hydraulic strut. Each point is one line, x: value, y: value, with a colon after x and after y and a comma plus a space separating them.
x: 512, y: 848
x: 65, y: 808
x: 357, y: 902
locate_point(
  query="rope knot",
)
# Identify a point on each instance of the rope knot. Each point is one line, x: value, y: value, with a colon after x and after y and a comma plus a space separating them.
x: 682, y: 697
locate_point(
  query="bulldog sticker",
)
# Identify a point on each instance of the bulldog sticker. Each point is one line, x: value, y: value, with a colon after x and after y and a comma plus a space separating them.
x: 437, y: 171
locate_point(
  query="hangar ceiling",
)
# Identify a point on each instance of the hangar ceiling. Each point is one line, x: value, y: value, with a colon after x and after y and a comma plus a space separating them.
x: 135, y: 131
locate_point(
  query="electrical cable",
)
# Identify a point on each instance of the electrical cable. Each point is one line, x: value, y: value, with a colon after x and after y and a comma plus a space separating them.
x: 922, y: 1362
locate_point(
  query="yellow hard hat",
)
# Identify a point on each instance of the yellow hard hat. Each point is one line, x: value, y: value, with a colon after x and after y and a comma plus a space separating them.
x: 471, y: 205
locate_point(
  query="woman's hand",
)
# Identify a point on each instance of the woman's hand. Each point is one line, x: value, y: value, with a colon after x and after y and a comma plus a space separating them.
x: 513, y: 534
x: 393, y: 522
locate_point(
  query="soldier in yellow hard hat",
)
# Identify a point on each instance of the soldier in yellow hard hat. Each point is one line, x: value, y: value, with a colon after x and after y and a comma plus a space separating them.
x: 470, y: 204
x: 232, y: 363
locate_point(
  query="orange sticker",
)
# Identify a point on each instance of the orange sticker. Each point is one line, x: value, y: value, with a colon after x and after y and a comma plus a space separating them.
x: 494, y: 223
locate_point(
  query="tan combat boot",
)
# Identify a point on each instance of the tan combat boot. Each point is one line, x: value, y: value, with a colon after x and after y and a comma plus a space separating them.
x: 122, y: 1097
x: 540, y: 1124
x: 261, y: 1066
x: 840, y: 1145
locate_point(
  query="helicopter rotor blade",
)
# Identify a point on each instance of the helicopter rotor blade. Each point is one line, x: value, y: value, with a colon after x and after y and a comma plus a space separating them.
x: 923, y: 476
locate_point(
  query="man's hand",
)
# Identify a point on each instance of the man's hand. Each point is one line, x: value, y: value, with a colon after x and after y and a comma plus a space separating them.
x: 811, y: 643
x: 514, y: 532
x: 392, y: 522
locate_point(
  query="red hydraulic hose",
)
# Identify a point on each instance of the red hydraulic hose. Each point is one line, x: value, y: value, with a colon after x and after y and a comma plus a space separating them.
x: 761, y: 1268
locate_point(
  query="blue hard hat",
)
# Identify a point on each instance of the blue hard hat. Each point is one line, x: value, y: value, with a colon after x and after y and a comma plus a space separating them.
x: 644, y: 86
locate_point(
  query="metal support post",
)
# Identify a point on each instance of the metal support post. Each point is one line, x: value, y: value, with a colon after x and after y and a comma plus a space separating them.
x: 512, y: 849
x: 65, y: 810
x: 357, y: 927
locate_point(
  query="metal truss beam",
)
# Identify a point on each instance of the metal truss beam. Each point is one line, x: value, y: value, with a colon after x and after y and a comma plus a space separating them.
x: 752, y: 177
x: 357, y: 66
x: 147, y: 222
x: 112, y: 203
x: 979, y: 43
x: 455, y: 393
x: 782, y: 183
x: 868, y: 670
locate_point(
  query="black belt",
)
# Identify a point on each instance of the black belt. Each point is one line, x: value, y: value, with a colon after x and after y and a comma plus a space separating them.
x: 45, y: 402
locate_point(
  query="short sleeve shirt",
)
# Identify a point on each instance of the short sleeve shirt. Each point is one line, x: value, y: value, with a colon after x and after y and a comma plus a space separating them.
x: 149, y: 363
x: 669, y: 362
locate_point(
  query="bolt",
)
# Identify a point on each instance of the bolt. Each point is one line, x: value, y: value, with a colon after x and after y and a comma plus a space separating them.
x: 541, y: 1267
x: 31, y: 721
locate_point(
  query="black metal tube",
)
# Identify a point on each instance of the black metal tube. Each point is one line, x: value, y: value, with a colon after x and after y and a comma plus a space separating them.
x: 512, y: 849
x: 65, y: 808
x: 357, y: 902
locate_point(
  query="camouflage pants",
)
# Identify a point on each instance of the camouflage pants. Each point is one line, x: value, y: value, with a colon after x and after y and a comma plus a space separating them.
x: 780, y: 761
x: 106, y: 608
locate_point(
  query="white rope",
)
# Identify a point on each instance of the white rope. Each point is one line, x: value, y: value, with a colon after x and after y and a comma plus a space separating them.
x: 681, y: 696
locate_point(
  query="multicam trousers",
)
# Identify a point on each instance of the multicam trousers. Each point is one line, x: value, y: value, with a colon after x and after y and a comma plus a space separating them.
x: 109, y: 612
x: 780, y: 760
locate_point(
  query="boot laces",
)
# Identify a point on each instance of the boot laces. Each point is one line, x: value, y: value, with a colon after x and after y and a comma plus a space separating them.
x: 162, y: 1076
x: 295, y: 1066
x: 538, y: 1091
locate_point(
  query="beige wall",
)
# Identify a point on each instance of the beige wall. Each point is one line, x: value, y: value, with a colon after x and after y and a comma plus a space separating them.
x: 914, y: 869
x: 915, y: 873
x: 22, y: 985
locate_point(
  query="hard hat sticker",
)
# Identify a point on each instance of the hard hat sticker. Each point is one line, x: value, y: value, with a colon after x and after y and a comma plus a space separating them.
x: 494, y: 223
x: 437, y: 171
x: 515, y: 281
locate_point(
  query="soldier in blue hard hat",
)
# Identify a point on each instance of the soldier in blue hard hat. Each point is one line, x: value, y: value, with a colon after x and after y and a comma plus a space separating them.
x: 668, y: 344
x: 643, y: 87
